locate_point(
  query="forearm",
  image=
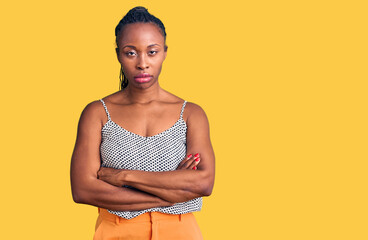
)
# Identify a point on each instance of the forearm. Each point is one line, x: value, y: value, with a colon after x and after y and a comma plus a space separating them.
x: 101, y: 194
x: 173, y: 186
x: 170, y: 195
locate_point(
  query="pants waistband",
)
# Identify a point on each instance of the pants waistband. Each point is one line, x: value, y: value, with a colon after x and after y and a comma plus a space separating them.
x: 145, y: 217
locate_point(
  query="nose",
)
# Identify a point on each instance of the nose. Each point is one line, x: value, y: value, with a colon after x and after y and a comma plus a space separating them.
x: 142, y: 62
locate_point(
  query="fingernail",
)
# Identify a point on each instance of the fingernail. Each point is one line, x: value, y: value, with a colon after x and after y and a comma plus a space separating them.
x: 195, y: 168
x: 197, y: 159
x: 197, y: 155
x: 190, y: 155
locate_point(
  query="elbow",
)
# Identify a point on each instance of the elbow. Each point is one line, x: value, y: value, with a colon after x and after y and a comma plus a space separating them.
x: 206, y: 188
x: 207, y: 185
x: 81, y: 192
x: 207, y: 191
x: 79, y: 196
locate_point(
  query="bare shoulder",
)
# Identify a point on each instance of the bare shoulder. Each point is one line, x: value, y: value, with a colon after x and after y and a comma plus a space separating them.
x: 93, y: 112
x: 193, y: 112
x: 194, y: 108
x: 93, y: 108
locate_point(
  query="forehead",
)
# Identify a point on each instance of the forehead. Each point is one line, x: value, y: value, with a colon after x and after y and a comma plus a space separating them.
x: 140, y: 34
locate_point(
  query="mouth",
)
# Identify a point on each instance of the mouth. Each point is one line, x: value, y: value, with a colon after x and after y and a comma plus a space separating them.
x: 143, y: 77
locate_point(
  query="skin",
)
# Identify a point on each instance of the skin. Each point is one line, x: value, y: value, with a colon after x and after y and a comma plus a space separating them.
x: 151, y: 110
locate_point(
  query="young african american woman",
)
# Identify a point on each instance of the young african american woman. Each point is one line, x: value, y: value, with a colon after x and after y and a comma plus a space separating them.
x: 142, y: 155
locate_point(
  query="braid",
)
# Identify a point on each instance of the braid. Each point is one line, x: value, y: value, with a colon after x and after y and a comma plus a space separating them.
x: 136, y: 15
x: 123, y: 80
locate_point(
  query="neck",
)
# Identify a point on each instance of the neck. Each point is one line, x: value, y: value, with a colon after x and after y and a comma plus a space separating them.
x: 143, y: 95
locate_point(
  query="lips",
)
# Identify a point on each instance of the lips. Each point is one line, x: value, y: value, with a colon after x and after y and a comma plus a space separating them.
x: 143, y: 77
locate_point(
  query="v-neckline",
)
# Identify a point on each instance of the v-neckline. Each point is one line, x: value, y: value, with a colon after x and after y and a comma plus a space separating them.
x: 140, y: 136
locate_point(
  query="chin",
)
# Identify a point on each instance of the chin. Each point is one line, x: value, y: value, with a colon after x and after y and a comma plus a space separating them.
x: 143, y: 85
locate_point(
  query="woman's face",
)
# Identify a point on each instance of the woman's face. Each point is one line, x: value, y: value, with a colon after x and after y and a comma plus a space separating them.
x: 141, y: 53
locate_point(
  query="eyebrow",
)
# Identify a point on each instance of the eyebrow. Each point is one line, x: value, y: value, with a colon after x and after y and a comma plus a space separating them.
x: 151, y: 45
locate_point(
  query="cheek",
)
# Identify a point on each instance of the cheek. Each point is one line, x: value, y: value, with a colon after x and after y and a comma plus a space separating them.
x: 127, y: 65
x: 158, y: 63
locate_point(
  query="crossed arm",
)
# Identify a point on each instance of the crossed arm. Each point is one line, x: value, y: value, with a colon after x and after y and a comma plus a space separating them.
x: 102, y: 187
x: 173, y: 186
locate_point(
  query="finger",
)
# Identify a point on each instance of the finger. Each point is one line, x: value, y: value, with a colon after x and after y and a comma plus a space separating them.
x: 184, y: 161
x: 194, y: 163
x: 185, y: 164
x: 191, y: 163
x: 181, y: 164
x: 188, y: 163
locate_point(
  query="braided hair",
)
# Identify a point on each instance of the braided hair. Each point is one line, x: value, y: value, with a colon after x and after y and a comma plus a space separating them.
x: 136, y: 15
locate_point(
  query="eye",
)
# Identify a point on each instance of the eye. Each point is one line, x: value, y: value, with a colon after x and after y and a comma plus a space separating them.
x: 130, y: 53
x: 152, y: 52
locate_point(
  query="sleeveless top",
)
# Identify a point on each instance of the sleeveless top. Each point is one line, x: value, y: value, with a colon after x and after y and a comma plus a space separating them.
x: 122, y: 149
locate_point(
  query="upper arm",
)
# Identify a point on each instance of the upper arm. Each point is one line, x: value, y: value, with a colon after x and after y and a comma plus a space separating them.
x: 85, y: 160
x: 198, y: 141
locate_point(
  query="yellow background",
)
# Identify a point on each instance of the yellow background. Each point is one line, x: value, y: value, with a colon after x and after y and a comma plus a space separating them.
x: 284, y: 85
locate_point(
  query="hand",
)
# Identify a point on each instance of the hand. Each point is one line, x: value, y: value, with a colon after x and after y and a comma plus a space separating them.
x: 110, y: 175
x: 190, y: 162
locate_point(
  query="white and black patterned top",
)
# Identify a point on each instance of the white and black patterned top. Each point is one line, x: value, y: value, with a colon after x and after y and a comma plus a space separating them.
x: 122, y: 149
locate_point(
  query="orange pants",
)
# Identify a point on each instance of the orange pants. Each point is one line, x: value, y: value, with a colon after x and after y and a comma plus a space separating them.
x: 150, y: 225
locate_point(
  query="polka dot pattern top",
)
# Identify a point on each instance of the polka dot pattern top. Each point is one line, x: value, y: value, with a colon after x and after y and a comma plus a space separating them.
x: 122, y: 149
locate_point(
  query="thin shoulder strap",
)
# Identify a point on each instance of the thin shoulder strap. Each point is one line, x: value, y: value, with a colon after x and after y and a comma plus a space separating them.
x: 107, y: 112
x: 182, y: 109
